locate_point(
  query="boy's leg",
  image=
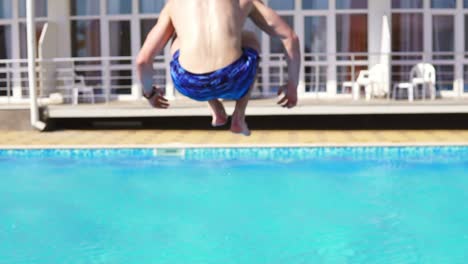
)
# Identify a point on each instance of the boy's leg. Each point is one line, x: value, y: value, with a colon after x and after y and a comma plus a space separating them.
x: 220, y: 117
x: 238, y: 124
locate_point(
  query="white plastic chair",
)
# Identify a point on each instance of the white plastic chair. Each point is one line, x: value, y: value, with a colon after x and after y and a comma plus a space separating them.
x: 81, y: 88
x: 424, y: 74
x: 369, y: 79
x: 77, y: 85
x: 421, y: 74
x: 404, y: 86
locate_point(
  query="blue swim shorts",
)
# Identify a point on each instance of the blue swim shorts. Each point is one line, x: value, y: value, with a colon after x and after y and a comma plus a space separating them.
x: 231, y: 82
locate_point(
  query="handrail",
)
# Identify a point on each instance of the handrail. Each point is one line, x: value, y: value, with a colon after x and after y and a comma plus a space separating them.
x: 273, y: 55
x: 31, y: 34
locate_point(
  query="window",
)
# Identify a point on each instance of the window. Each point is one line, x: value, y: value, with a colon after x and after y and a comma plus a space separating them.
x: 351, y: 4
x: 351, y: 37
x: 351, y: 33
x: 5, y: 53
x: 5, y: 9
x: 443, y: 36
x: 407, y: 38
x: 85, y: 33
x: 316, y: 78
x: 465, y: 75
x: 443, y: 3
x: 115, y: 7
x: 315, y: 34
x: 5, y: 42
x: 407, y: 4
x: 23, y: 37
x: 445, y: 76
x: 465, y: 3
x: 84, y: 7
x: 86, y: 38
x: 121, y: 82
x: 151, y: 6
x: 466, y: 33
x: 407, y: 32
x: 41, y: 8
x: 315, y: 4
x: 281, y: 4
x: 120, y: 37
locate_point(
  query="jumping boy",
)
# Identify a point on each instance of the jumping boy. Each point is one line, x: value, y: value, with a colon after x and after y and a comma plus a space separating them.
x: 213, y: 58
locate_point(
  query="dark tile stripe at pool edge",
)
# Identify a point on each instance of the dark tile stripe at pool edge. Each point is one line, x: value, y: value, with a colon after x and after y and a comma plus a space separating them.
x: 448, y: 153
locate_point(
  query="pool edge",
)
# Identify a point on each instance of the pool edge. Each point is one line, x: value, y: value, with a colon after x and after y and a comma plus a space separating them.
x: 215, y: 146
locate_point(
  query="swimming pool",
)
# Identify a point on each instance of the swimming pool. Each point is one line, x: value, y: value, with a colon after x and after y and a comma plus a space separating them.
x: 245, y: 205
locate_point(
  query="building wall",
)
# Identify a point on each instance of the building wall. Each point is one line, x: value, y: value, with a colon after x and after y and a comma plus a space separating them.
x: 59, y: 15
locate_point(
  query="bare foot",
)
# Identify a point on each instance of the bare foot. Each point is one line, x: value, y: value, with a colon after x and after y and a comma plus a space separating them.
x: 219, y: 120
x: 220, y: 117
x: 240, y: 127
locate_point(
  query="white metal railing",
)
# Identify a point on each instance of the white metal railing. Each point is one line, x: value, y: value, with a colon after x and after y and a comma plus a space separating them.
x: 103, y: 80
x: 109, y: 79
x: 333, y: 70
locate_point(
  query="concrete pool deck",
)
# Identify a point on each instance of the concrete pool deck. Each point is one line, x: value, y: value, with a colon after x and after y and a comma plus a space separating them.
x: 280, y: 129
x: 262, y: 107
x: 204, y: 138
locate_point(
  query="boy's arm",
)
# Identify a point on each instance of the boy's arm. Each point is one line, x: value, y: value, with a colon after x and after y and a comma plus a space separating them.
x: 154, y: 43
x: 270, y: 22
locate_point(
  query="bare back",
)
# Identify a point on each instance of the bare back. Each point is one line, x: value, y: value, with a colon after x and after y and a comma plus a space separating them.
x: 209, y: 32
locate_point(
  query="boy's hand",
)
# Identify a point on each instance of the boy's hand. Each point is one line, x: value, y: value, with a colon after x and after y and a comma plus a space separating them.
x: 158, y: 100
x: 290, y: 95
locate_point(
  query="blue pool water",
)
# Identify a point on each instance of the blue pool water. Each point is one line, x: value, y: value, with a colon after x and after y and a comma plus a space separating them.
x: 266, y: 206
